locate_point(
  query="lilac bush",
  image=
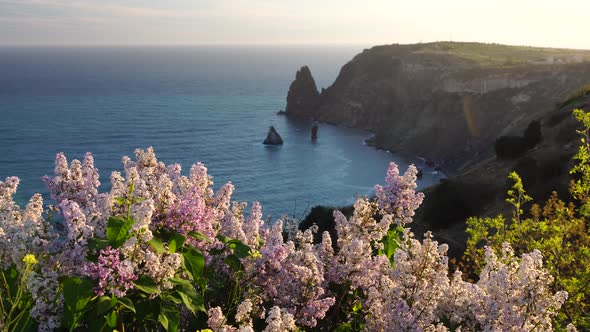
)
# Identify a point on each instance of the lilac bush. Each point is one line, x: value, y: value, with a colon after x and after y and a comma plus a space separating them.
x: 192, y: 258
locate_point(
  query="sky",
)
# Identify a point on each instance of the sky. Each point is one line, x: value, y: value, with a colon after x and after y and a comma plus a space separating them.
x: 369, y: 22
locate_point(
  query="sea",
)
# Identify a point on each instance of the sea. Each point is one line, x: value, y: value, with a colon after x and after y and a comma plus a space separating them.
x: 212, y: 104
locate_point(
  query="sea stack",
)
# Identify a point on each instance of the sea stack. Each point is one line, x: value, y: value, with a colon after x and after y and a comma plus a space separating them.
x: 273, y: 138
x: 303, y: 97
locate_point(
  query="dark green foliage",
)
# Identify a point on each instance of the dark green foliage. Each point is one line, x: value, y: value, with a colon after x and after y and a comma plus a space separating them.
x: 553, y: 166
x: 556, y: 118
x: 323, y: 217
x: 532, y: 134
x: 458, y: 200
x: 508, y: 147
x: 528, y: 170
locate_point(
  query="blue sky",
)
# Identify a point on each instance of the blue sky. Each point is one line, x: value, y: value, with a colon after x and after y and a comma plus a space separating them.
x: 170, y: 22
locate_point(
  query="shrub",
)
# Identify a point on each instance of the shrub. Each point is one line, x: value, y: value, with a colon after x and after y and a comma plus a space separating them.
x: 508, y: 147
x: 164, y: 251
x: 532, y: 134
x: 556, y: 228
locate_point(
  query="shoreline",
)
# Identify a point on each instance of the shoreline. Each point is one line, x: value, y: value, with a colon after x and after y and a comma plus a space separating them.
x: 422, y: 163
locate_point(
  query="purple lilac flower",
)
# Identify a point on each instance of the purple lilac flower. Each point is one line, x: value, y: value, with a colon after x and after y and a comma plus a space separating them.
x: 114, y: 277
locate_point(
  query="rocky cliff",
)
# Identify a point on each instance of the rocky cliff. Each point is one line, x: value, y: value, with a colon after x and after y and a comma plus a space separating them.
x: 444, y: 101
x: 303, y: 97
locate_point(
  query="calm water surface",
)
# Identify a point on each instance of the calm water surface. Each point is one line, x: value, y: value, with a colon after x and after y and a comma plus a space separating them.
x: 208, y: 104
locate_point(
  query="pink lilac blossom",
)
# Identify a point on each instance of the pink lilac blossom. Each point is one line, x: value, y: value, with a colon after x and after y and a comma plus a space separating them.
x: 292, y: 275
x: 10, y: 221
x: 217, y: 322
x: 114, y: 276
x: 161, y: 267
x: 78, y: 182
x: 243, y: 312
x: 231, y: 225
x: 517, y: 292
x: 399, y: 197
x: 253, y: 225
x: 192, y: 213
x: 44, y: 288
x: 21, y: 231
x: 200, y: 179
x: 279, y: 320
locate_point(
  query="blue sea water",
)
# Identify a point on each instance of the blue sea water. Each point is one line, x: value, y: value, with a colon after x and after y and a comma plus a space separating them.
x: 201, y: 103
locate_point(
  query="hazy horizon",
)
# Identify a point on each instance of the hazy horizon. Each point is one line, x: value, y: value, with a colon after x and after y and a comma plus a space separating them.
x: 290, y: 22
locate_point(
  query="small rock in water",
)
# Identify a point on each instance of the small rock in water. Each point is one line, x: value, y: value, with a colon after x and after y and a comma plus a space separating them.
x: 273, y: 138
x: 314, y: 132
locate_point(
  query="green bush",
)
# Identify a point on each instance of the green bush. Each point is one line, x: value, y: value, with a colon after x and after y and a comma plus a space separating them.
x: 508, y: 147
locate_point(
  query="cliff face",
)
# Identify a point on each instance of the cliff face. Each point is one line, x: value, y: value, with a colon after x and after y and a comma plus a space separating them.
x: 444, y: 101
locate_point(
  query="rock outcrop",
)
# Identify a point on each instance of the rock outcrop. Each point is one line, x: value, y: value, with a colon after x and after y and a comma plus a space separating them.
x: 445, y: 101
x: 303, y: 97
x: 273, y: 138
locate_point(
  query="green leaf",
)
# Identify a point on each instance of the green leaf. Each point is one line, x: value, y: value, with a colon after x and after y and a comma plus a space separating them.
x: 12, y: 278
x: 118, y: 230
x: 147, y: 309
x: 163, y: 319
x: 189, y: 295
x: 357, y: 306
x: 169, y: 317
x: 104, y: 304
x: 223, y: 238
x: 240, y: 249
x: 77, y: 293
x: 193, y: 262
x: 146, y: 284
x: 233, y: 262
x: 120, y: 200
x: 344, y: 327
x: 176, y: 242
x: 157, y: 245
x: 127, y: 303
x: 174, y: 298
x: 111, y: 318
x: 198, y: 236
x: 97, y: 244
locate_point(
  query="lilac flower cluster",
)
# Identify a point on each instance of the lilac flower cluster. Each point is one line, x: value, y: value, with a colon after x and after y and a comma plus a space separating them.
x: 399, y: 196
x: 285, y: 281
x: 292, y: 276
x: 114, y: 277
x: 191, y: 213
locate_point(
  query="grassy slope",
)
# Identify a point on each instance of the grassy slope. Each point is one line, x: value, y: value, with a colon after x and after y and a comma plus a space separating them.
x: 497, y: 54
